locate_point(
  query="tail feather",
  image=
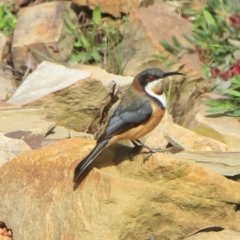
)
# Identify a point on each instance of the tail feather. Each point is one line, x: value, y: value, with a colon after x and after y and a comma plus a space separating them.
x: 88, y: 159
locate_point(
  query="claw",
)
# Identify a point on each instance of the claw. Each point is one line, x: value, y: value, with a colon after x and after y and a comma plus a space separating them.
x: 151, y: 151
x: 139, y: 145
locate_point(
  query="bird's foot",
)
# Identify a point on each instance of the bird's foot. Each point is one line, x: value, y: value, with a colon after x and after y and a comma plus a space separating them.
x: 138, y: 145
x: 153, y: 150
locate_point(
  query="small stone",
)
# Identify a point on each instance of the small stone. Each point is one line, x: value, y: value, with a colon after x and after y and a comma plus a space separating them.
x: 10, y: 148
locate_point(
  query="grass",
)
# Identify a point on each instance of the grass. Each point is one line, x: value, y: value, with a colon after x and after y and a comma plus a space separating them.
x: 7, y: 19
x: 95, y: 37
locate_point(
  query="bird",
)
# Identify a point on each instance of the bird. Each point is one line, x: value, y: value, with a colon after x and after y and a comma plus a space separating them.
x: 140, y: 110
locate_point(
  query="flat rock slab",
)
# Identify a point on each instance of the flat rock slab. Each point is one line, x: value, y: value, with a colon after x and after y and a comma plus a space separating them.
x: 10, y: 148
x: 224, y: 163
x: 41, y: 31
x: 46, y: 79
x: 60, y: 132
x: 34, y: 140
x: 25, y: 119
x: 221, y: 235
x: 121, y: 199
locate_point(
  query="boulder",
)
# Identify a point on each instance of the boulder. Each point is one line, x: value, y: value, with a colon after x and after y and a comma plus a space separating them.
x: 41, y: 34
x: 142, y: 33
x: 120, y: 199
x: 70, y: 96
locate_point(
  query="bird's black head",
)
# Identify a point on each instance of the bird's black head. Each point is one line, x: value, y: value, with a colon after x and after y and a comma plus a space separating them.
x: 152, y: 74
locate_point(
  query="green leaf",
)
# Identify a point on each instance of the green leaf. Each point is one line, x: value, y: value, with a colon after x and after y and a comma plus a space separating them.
x: 221, y: 109
x: 235, y: 80
x: 77, y: 57
x: 160, y: 57
x: 234, y: 113
x: 209, y: 18
x: 177, y: 43
x: 96, y: 56
x: 169, y: 48
x: 96, y: 17
x: 231, y: 92
x: 84, y: 41
x: 77, y: 44
x: 212, y: 102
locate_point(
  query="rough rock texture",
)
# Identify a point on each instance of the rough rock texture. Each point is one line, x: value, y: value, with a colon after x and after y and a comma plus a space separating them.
x: 4, y: 47
x: 60, y: 132
x: 41, y: 31
x: 28, y: 119
x: 71, y: 97
x: 183, y: 138
x: 114, y: 7
x: 166, y: 196
x: 142, y: 33
x: 10, y: 148
x: 46, y: 79
x: 224, y: 163
x: 223, y: 128
x: 7, y: 87
x: 222, y: 235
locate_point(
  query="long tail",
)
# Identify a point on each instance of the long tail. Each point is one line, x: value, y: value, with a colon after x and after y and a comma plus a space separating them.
x: 88, y: 159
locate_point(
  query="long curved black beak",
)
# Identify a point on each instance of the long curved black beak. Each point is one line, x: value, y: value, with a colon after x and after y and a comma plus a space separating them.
x: 172, y: 73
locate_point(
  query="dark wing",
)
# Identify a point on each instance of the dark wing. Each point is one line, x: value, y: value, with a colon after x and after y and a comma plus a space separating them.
x: 127, y: 116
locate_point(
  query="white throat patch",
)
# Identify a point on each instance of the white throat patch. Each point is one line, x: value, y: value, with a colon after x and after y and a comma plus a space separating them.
x: 161, y: 98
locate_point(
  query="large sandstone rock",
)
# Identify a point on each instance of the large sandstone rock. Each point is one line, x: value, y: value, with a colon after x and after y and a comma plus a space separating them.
x: 70, y: 96
x: 142, y: 33
x: 41, y: 31
x: 120, y: 199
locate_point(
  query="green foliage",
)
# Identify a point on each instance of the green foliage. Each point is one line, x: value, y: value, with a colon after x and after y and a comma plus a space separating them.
x: 215, y: 38
x: 7, y: 19
x: 94, y: 38
x: 230, y: 104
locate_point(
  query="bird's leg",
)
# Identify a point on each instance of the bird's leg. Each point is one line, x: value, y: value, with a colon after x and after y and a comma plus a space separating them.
x: 136, y: 149
x: 138, y: 143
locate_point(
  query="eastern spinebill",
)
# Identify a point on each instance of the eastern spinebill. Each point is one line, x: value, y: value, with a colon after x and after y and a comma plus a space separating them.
x: 139, y: 112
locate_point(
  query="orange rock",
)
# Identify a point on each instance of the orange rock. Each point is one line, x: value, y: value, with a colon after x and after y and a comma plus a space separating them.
x: 120, y: 199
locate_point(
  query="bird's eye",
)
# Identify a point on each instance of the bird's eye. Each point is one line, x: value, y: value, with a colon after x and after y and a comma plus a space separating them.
x: 150, y: 78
